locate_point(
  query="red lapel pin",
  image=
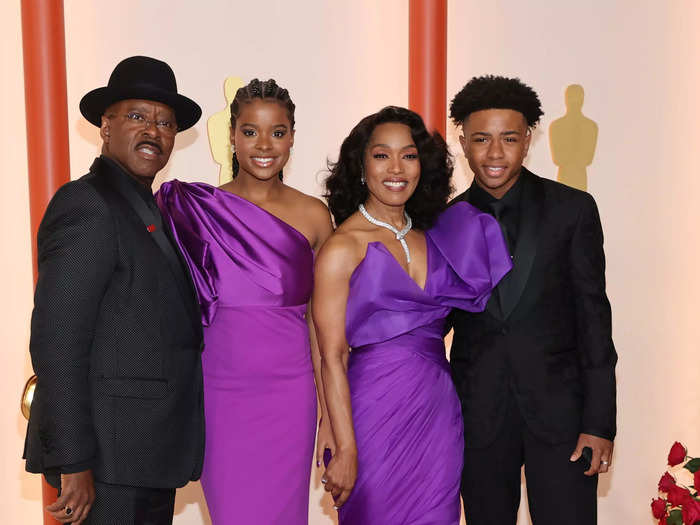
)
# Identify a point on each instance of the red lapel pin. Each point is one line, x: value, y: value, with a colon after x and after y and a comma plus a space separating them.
x: 151, y: 228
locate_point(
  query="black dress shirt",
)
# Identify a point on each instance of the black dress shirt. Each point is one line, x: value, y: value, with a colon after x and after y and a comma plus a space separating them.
x: 144, y: 192
x: 506, y: 210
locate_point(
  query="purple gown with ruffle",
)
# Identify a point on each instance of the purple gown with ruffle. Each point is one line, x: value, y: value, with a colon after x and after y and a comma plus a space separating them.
x: 254, y: 275
x: 406, y: 414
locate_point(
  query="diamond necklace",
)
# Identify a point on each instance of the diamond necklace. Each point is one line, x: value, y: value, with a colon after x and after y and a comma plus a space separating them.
x: 399, y: 234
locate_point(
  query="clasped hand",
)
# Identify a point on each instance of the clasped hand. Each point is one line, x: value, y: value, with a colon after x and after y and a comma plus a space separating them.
x: 340, y: 476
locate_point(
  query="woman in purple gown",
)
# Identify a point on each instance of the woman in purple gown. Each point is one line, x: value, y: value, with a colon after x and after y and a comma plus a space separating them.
x: 385, y: 281
x: 250, y: 248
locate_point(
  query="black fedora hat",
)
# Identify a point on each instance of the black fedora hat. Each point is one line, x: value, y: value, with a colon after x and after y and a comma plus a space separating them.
x: 141, y: 78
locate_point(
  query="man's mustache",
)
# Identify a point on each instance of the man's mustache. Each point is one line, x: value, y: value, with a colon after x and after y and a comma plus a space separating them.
x: 154, y: 145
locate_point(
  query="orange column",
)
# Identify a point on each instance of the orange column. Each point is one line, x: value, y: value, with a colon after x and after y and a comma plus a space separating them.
x: 43, y: 43
x: 46, y: 101
x: 427, y: 61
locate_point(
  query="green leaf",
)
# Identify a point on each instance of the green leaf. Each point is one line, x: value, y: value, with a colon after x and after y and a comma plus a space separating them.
x: 675, y: 517
x: 693, y: 465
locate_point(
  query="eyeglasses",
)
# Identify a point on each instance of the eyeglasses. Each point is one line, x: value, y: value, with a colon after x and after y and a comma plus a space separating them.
x: 137, y: 119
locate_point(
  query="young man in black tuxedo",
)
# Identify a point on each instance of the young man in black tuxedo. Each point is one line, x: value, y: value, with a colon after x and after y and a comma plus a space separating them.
x: 536, y: 370
x: 117, y: 418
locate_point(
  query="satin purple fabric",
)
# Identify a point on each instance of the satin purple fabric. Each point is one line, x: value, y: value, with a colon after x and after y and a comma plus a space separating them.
x: 254, y: 275
x: 406, y: 413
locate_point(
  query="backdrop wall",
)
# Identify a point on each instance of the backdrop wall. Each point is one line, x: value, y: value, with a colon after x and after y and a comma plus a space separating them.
x: 637, y: 63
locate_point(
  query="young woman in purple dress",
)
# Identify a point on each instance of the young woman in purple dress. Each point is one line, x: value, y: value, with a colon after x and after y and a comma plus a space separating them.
x: 385, y: 281
x: 250, y: 247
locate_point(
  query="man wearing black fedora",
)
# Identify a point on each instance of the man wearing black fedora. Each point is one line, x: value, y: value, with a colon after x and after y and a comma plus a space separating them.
x: 117, y: 419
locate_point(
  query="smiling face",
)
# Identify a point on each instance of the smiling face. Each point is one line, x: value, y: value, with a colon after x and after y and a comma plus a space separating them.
x: 391, y: 164
x: 139, y: 135
x: 495, y: 143
x: 262, y: 138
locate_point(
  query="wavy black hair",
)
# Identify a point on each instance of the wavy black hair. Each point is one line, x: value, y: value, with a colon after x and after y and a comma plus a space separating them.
x: 345, y: 190
x: 493, y: 92
x: 267, y: 89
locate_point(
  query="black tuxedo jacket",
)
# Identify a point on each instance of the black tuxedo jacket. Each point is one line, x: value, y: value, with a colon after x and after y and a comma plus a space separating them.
x: 115, y: 341
x: 545, y: 336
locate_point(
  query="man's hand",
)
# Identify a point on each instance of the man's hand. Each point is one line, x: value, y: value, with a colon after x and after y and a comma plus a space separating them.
x: 75, y: 501
x: 602, y: 453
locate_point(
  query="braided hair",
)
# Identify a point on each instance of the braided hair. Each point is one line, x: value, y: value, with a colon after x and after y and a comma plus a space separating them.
x: 264, y: 90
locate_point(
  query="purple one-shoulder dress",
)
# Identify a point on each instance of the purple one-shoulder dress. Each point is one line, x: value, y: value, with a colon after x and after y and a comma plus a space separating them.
x: 254, y: 275
x: 406, y: 414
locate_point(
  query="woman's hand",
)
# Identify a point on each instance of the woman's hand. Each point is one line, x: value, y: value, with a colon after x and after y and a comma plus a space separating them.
x: 334, y: 265
x: 324, y: 440
x: 340, y: 476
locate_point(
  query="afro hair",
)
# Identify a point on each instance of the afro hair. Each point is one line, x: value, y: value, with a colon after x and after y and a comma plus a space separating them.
x: 493, y: 92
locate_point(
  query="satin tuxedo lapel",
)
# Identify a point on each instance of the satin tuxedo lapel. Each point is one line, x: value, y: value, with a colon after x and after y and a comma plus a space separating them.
x: 511, y: 288
x: 493, y: 306
x: 176, y: 264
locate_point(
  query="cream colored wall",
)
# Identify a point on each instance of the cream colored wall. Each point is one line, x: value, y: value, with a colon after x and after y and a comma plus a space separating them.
x: 637, y: 62
x: 21, y: 491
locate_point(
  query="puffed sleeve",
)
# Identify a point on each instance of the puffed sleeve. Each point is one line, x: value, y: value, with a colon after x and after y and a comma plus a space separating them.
x: 180, y: 211
x: 473, y: 246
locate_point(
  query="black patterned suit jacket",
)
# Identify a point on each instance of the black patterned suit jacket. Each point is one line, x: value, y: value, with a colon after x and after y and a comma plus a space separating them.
x: 546, y: 335
x: 116, y: 340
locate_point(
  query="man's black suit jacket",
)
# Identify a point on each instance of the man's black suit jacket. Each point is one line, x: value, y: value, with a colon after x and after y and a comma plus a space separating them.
x: 549, y: 342
x: 115, y: 341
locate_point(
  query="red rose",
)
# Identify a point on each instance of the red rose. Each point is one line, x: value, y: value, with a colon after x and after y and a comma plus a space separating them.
x: 677, y: 454
x: 658, y: 508
x: 691, y: 511
x: 666, y: 482
x: 677, y: 496
x: 696, y: 481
